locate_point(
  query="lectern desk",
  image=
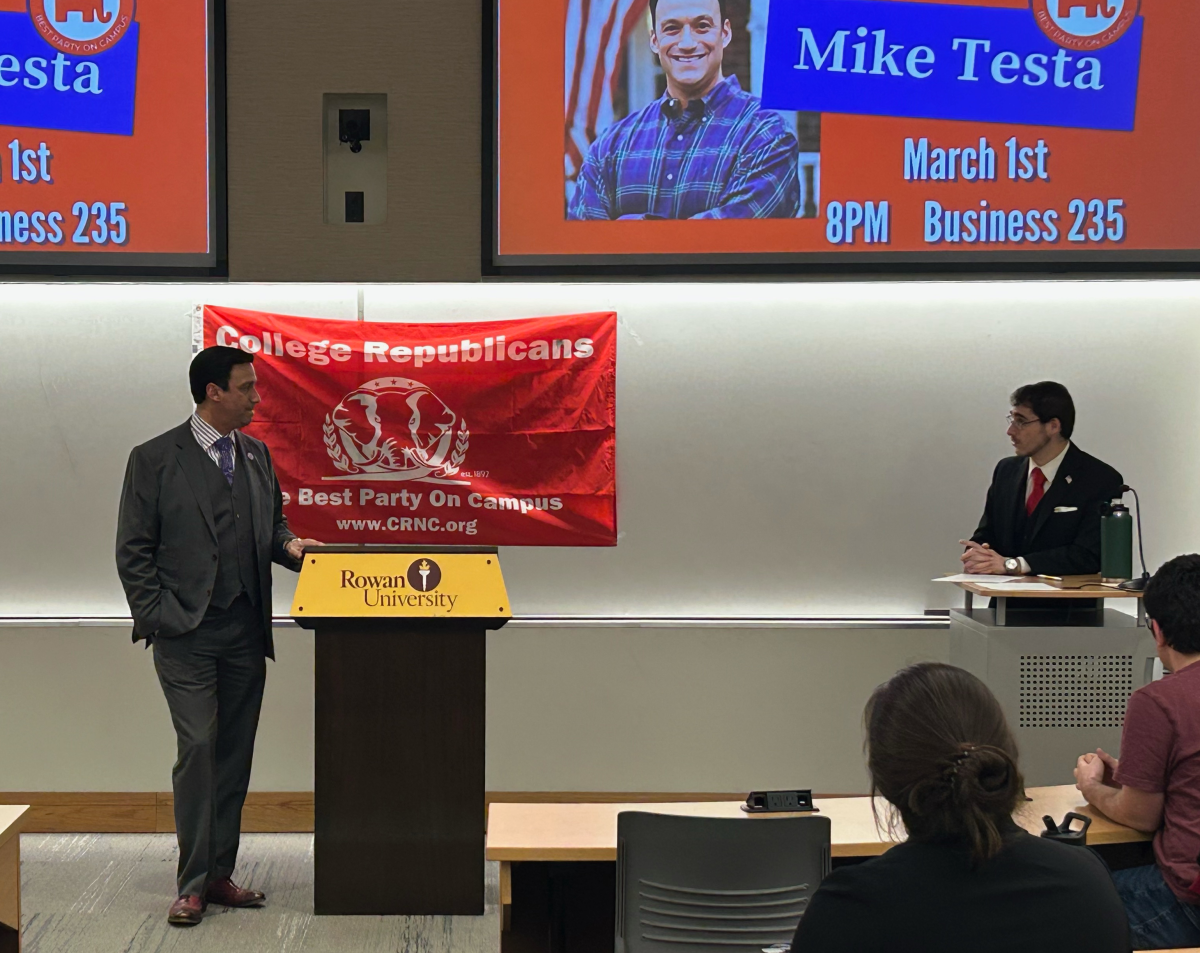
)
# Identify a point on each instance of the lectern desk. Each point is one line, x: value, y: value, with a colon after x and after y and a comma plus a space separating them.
x: 400, y: 674
x: 1063, y: 678
x: 1078, y: 589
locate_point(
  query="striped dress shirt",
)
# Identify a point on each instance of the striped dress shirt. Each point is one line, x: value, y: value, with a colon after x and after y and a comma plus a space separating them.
x: 206, y: 435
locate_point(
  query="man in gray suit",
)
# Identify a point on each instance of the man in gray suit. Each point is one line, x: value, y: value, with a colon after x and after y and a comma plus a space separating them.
x: 200, y: 523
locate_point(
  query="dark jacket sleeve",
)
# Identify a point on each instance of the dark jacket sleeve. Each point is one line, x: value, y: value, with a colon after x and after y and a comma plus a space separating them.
x: 985, y: 531
x: 1081, y: 556
x: 153, y: 607
x: 281, y: 533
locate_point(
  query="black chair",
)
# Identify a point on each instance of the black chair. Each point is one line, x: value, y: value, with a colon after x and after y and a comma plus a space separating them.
x: 712, y: 883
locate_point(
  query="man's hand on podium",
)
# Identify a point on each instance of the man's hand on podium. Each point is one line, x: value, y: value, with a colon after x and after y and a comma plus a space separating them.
x: 295, y: 547
x: 982, y: 559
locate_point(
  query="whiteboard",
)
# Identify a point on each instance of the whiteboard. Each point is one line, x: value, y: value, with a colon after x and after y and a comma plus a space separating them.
x: 784, y: 449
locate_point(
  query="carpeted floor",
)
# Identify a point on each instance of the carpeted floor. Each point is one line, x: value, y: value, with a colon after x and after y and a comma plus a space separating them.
x: 109, y: 893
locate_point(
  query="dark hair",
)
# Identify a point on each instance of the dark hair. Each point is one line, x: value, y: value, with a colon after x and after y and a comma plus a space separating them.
x: 1048, y: 400
x: 940, y: 750
x: 1172, y: 599
x: 213, y: 365
x: 720, y: 3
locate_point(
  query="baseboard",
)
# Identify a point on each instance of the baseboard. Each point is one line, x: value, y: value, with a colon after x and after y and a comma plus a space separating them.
x: 86, y: 812
x: 266, y: 812
x: 91, y: 812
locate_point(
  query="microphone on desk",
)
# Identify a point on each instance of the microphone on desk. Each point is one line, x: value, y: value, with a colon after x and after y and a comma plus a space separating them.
x: 1136, y: 585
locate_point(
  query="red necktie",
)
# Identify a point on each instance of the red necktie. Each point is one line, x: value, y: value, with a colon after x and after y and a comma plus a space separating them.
x: 1039, y: 490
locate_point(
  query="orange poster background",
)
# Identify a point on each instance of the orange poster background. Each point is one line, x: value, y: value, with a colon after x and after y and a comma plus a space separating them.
x: 161, y: 171
x: 1155, y: 168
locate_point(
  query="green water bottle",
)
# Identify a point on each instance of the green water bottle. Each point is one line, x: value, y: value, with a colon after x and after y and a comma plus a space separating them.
x: 1116, y: 543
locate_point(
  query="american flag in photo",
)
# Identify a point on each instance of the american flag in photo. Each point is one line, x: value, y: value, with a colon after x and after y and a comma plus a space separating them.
x: 596, y: 33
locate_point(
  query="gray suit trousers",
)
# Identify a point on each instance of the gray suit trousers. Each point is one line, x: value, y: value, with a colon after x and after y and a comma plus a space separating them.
x: 213, y: 678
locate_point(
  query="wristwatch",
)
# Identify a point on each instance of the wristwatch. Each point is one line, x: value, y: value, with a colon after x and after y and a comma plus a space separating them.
x: 1012, y: 565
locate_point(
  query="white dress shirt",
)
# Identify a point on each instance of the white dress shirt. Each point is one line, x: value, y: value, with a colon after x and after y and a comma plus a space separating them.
x: 1049, y: 471
x: 206, y: 435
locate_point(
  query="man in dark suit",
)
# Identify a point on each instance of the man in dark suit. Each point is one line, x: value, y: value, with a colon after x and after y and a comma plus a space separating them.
x: 200, y: 523
x: 1043, y: 509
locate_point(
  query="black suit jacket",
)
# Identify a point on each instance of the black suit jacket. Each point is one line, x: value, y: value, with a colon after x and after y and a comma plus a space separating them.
x: 167, y: 539
x: 1062, y: 537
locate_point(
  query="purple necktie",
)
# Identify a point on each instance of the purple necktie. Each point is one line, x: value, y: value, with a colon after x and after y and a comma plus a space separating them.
x: 224, y: 447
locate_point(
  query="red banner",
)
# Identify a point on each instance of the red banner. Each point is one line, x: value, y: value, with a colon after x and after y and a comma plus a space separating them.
x: 482, y: 433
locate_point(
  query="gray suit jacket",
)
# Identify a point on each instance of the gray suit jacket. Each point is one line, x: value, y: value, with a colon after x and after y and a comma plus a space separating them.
x: 167, y: 539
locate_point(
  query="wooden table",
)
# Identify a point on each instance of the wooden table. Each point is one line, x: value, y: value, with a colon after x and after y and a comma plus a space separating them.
x: 10, y: 876
x: 1073, y: 587
x: 555, y: 835
x: 519, y: 832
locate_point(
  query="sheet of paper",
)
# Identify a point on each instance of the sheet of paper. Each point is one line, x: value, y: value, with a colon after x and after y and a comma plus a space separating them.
x: 1021, y: 586
x: 969, y: 577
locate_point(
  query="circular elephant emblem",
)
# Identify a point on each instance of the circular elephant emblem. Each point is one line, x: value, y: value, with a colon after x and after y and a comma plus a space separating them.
x: 1084, y: 24
x: 397, y: 428
x: 82, y: 27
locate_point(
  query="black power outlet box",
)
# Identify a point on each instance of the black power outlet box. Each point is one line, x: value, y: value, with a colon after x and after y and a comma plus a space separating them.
x: 766, y: 802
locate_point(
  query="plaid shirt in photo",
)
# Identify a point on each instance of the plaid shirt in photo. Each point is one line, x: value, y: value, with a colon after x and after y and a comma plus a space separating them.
x: 724, y: 157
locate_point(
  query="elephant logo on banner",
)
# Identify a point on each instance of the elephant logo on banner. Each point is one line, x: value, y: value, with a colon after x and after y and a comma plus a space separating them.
x: 82, y: 27
x: 393, y: 428
x: 1085, y: 24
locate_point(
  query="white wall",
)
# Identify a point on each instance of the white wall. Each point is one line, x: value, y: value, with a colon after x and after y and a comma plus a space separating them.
x: 783, y: 449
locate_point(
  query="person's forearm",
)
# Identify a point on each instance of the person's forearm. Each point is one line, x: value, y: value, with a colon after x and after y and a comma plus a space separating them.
x: 1073, y: 560
x: 1112, y: 802
x: 137, y: 571
x: 754, y: 195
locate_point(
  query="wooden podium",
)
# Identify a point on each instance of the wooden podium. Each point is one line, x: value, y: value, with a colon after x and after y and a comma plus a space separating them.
x: 1062, y: 677
x: 400, y: 689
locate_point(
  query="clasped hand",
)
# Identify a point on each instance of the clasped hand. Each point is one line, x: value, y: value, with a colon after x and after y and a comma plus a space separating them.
x: 1098, y: 768
x: 981, y: 559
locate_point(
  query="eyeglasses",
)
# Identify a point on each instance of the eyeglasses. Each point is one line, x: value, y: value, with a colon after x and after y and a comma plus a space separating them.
x: 1022, y: 422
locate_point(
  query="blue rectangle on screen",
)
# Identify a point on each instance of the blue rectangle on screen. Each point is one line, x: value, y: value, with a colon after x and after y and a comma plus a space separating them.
x: 944, y: 61
x: 44, y: 88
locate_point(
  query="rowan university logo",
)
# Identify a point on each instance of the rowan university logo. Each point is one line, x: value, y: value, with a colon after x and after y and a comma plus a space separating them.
x: 393, y: 428
x: 424, y: 575
x: 82, y: 27
x: 1084, y: 24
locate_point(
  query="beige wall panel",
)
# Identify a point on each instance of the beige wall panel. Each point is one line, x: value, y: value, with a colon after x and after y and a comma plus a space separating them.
x: 81, y: 710
x: 676, y: 709
x: 282, y: 57
x: 580, y: 709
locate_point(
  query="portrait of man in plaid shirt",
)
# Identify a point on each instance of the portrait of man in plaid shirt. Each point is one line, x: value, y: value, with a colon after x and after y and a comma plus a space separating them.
x: 704, y: 149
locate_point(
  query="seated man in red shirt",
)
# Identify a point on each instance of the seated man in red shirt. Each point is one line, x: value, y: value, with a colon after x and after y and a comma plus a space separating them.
x: 1156, y: 784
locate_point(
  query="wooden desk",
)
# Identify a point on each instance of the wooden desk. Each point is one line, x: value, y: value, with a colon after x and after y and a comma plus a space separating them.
x: 1078, y: 587
x: 556, y: 833
x: 547, y: 832
x: 10, y: 876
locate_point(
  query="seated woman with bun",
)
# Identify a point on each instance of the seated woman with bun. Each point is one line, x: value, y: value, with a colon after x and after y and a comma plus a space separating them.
x: 968, y: 879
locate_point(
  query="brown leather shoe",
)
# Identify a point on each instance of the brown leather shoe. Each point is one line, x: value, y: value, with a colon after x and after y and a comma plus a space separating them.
x: 228, y: 894
x: 186, y: 911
